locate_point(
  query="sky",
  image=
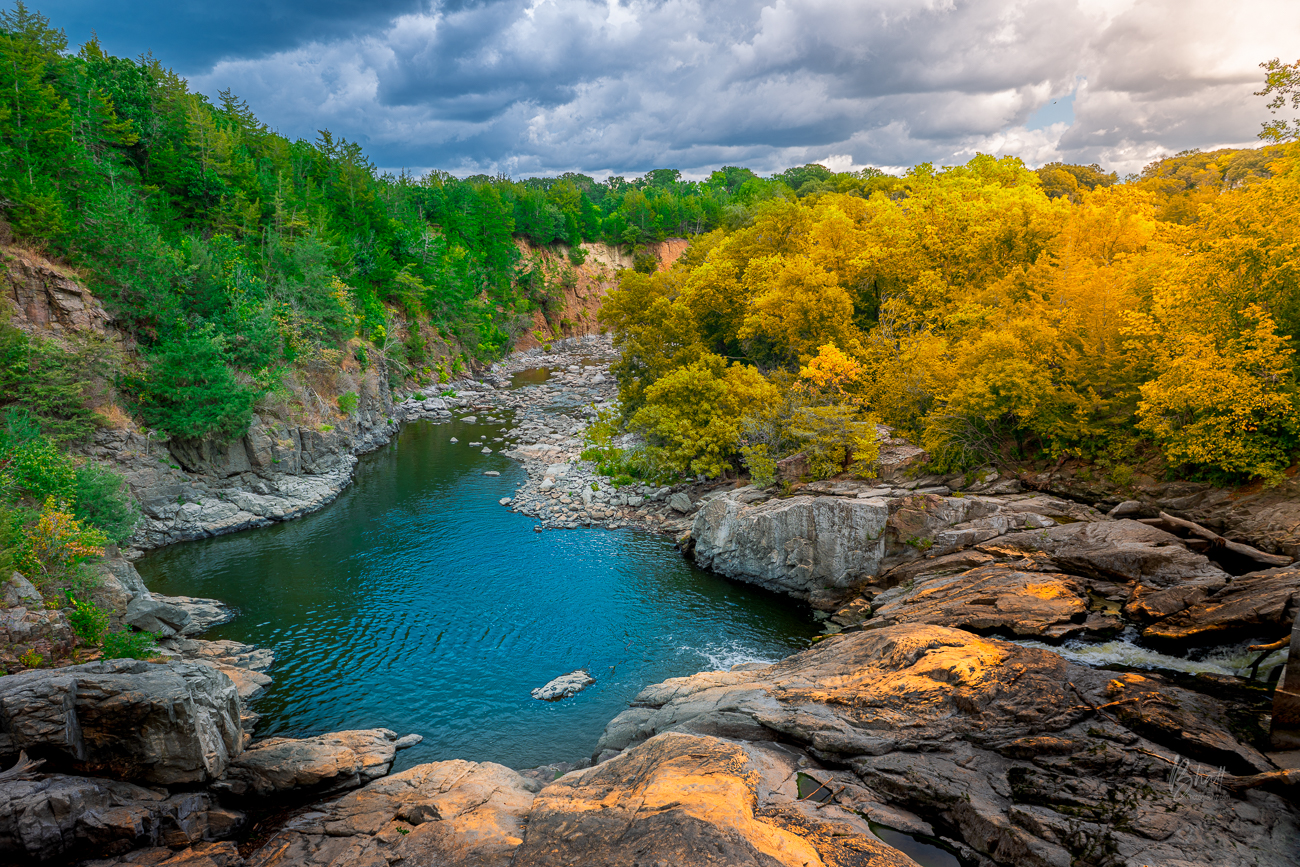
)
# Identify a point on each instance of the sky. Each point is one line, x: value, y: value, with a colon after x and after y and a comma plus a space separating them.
x: 539, y: 87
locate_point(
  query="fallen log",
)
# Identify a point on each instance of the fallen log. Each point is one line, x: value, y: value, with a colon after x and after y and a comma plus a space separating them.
x: 1169, y: 522
x: 1287, y: 780
x: 23, y: 769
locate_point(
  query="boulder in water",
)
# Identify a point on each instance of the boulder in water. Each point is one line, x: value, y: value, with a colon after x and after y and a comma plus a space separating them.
x: 564, y: 686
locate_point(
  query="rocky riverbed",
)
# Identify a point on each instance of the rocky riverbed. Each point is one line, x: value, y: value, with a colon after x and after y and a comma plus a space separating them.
x: 936, y: 713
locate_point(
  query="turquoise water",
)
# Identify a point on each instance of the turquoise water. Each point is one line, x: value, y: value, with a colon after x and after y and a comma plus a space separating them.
x: 415, y: 602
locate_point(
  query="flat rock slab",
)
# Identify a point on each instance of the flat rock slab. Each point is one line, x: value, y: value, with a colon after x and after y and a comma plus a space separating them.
x: 224, y: 854
x: 995, y: 598
x: 564, y: 686
x: 319, y: 765
x: 1124, y: 551
x: 679, y: 796
x: 1261, y: 605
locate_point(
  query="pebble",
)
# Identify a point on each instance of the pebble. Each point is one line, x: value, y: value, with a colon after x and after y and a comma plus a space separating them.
x: 453, y: 439
x: 491, y: 473
x: 487, y: 451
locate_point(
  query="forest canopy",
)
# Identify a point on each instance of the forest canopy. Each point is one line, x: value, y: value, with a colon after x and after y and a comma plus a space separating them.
x: 230, y: 253
x: 989, y: 311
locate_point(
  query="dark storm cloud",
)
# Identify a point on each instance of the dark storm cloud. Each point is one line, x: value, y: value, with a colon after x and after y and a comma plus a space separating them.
x: 606, y: 86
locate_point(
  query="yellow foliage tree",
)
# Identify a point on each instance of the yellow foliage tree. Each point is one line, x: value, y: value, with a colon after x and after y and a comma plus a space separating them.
x: 1231, y: 408
x: 58, y: 540
x: 694, y: 413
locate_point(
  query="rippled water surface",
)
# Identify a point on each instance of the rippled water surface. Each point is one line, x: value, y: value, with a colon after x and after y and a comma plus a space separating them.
x: 415, y: 602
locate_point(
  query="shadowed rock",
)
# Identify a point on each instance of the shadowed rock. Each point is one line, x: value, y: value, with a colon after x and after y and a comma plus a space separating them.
x: 1119, y: 551
x: 166, y: 723
x: 64, y: 817
x: 1259, y: 605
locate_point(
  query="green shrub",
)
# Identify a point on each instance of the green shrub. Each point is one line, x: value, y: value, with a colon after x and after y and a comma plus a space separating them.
x: 761, y: 465
x: 644, y: 262
x: 87, y: 620
x: 125, y: 644
x: 188, y: 391
x: 836, y: 439
x: 102, y: 499
x: 577, y: 255
x: 348, y: 403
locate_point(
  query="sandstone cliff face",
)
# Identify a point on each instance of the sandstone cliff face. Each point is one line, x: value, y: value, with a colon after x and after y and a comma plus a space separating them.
x: 573, y: 313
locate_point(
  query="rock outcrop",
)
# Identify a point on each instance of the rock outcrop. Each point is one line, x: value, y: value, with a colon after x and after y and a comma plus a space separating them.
x: 28, y: 627
x: 63, y: 818
x: 822, y: 548
x: 685, y: 799
x: 161, y: 723
x: 47, y: 297
x: 315, y: 766
x: 456, y: 814
x: 1014, y: 754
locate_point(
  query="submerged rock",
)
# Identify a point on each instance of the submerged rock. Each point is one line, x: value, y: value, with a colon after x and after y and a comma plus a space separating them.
x: 564, y: 686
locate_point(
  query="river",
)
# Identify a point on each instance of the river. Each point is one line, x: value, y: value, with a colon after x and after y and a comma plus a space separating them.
x: 415, y: 602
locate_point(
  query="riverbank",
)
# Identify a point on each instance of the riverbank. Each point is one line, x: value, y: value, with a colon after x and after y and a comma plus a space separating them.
x: 916, y: 721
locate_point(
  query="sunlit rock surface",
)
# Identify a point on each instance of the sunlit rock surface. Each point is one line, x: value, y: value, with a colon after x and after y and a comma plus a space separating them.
x: 454, y: 814
x: 1027, y: 758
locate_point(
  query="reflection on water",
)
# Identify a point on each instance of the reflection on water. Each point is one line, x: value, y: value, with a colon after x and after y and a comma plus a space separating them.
x: 415, y: 602
x: 531, y: 376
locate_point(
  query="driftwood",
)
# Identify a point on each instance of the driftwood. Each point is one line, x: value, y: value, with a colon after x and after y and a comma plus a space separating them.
x: 23, y: 769
x: 1167, y: 521
x: 1287, y: 780
x: 1264, y: 651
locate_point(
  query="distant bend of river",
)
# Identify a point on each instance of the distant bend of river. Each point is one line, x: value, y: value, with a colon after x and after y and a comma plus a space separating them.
x: 415, y: 602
